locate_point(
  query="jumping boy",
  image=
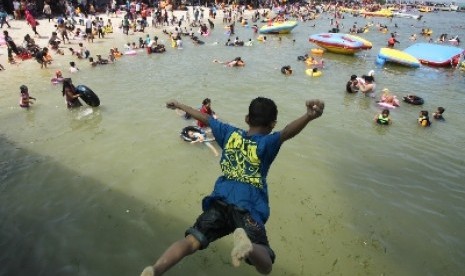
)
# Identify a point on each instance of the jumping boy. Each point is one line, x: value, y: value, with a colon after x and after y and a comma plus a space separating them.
x: 239, y: 201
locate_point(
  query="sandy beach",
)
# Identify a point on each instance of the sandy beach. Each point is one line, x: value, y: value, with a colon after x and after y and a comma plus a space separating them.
x: 100, y: 46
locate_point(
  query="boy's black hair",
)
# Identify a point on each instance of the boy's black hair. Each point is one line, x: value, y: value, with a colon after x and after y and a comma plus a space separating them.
x: 262, y: 112
x: 441, y: 109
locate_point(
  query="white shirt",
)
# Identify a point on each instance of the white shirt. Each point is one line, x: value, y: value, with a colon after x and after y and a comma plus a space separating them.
x: 89, y: 23
x: 16, y: 5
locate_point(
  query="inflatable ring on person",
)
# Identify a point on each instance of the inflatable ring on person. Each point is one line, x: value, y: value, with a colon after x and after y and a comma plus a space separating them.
x: 313, y: 74
x: 185, y: 134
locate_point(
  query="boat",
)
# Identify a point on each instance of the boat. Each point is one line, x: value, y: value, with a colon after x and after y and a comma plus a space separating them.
x: 407, y: 15
x: 425, y: 9
x: 435, y: 54
x: 278, y: 27
x: 444, y: 7
x: 339, y: 43
x: 380, y: 13
x: 397, y: 56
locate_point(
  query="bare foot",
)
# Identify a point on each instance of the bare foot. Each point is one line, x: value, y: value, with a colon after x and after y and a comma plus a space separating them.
x: 148, y: 271
x: 242, y: 247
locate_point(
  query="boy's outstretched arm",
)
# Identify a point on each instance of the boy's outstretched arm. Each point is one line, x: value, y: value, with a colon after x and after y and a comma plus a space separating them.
x: 314, y: 110
x: 196, y: 114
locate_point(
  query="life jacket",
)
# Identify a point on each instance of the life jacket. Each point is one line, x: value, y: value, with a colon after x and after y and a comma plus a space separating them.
x: 382, y: 120
x: 422, y: 119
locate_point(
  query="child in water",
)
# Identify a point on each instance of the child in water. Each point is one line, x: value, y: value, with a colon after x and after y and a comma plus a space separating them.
x: 286, y: 70
x: 239, y: 201
x: 351, y: 85
x: 438, y: 114
x: 198, y: 137
x: 383, y: 118
x: 423, y: 120
x: 25, y: 100
x: 73, y: 68
x: 388, y: 98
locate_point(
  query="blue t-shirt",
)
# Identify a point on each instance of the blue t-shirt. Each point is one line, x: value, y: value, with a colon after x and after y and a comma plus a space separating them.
x: 245, y: 162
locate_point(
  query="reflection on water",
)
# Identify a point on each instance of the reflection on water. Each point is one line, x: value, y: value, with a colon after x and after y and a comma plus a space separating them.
x: 100, y: 191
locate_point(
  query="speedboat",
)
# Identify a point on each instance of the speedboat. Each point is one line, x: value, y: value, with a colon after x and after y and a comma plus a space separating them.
x: 407, y: 15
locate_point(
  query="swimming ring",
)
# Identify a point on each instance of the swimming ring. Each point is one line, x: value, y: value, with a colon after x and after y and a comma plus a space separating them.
x: 56, y: 80
x: 87, y: 95
x: 386, y: 105
x: 185, y: 136
x: 317, y: 51
x: 412, y: 99
x: 313, y: 74
x: 130, y: 53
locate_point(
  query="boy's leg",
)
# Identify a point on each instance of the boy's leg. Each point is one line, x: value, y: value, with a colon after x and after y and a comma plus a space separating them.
x: 175, y: 253
x: 257, y: 254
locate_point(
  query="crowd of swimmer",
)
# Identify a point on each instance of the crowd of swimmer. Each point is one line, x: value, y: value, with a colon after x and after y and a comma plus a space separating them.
x: 135, y: 21
x: 366, y: 85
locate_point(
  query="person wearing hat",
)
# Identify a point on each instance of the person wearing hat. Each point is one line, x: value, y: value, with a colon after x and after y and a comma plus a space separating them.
x: 25, y: 100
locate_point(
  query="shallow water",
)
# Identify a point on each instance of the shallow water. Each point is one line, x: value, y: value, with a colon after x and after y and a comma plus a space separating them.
x: 104, y: 191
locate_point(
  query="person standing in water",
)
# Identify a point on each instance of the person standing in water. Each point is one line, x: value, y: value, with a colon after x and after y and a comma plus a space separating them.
x: 70, y: 94
x: 25, y: 100
x: 206, y: 109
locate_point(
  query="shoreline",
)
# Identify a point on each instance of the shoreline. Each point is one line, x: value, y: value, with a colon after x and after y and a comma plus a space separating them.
x: 19, y: 28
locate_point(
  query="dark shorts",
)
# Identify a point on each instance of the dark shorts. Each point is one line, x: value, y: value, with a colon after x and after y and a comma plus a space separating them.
x: 221, y: 220
x: 88, y: 30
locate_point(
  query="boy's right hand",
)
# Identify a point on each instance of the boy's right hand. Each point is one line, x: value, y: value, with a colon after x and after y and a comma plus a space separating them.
x: 315, y: 108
